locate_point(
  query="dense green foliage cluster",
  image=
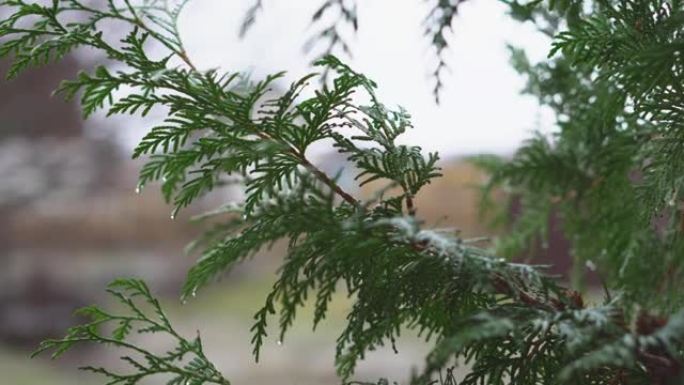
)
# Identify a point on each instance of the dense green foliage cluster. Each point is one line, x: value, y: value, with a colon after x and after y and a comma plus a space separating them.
x: 612, y: 173
x: 615, y: 84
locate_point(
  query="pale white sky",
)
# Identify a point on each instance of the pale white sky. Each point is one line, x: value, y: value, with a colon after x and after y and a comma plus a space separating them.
x: 481, y: 111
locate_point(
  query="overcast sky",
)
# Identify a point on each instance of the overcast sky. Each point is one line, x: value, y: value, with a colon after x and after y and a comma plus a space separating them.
x: 481, y: 111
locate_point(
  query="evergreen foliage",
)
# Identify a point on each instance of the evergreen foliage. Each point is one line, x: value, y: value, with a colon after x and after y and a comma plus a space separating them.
x: 184, y: 364
x: 615, y: 83
x: 612, y: 173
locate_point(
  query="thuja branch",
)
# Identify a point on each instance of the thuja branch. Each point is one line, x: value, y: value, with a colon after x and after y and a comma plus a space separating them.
x: 320, y: 175
x: 323, y: 177
x: 186, y: 362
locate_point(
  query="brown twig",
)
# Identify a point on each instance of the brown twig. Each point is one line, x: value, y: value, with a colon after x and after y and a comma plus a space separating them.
x: 409, y: 205
x: 323, y: 177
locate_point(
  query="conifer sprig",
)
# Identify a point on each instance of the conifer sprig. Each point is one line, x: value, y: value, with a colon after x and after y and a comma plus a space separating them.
x: 335, y: 20
x: 185, y: 363
x: 438, y: 22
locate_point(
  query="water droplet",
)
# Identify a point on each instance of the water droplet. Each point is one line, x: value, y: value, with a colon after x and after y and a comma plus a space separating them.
x: 590, y: 265
x: 138, y: 189
x: 280, y: 342
x: 173, y: 216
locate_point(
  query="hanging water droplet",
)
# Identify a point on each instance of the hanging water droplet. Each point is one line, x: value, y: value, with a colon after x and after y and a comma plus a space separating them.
x: 590, y: 265
x: 138, y: 189
x: 194, y: 293
x: 280, y: 342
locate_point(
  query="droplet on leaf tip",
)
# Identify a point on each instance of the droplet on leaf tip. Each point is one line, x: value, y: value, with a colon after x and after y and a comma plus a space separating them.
x: 591, y: 265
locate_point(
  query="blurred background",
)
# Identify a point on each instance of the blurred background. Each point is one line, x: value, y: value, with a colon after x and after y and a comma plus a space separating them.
x: 71, y: 220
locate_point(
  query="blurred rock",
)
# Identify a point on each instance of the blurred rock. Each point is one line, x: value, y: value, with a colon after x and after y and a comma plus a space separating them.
x: 38, y: 309
x: 27, y: 108
x: 46, y: 164
x: 41, y: 171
